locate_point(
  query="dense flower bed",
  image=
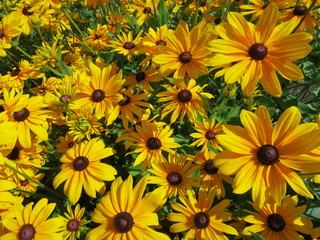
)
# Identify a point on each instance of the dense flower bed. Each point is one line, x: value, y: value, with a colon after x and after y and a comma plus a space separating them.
x: 159, y: 119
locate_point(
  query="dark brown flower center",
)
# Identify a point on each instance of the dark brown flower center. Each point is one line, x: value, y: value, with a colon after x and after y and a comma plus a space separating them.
x: 217, y: 20
x: 185, y: 57
x: 268, y: 154
x: 14, y: 154
x: 65, y: 98
x: 70, y: 144
x: 1, y: 33
x: 97, y: 36
x: 72, y: 225
x: 15, y: 72
x: 154, y: 143
x: 209, y: 167
x: 21, y: 115
x: 26, y: 12
x: 98, y: 95
x: 1, y: 109
x: 266, y: 5
x: 174, y: 178
x: 27, y: 232
x: 258, y: 51
x: 80, y: 163
x: 276, y: 222
x: 128, y: 45
x: 203, y: 3
x: 140, y: 76
x: 184, y: 95
x: 161, y: 42
x: 126, y: 99
x: 210, y: 135
x: 147, y: 10
x: 24, y: 183
x: 201, y: 220
x: 123, y: 222
x: 299, y: 10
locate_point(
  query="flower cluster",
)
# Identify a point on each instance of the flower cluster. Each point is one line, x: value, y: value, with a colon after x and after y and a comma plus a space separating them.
x: 142, y: 119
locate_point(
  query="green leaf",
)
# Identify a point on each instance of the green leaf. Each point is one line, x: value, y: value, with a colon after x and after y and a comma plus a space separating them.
x: 256, y: 236
x: 162, y: 14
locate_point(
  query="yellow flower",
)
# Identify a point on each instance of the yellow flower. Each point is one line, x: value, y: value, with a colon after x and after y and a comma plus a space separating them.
x: 258, y: 51
x: 174, y: 175
x: 81, y: 167
x: 264, y: 158
x: 124, y: 214
x: 279, y: 221
x: 98, y: 38
x: 199, y: 218
x: 33, y: 223
x: 183, y: 99
x: 144, y: 9
x: 151, y: 139
x: 185, y: 53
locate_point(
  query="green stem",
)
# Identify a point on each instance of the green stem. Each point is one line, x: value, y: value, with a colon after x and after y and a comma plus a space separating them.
x: 41, y: 185
x: 35, y: 60
x: 4, y: 6
x: 195, y: 20
x: 304, y: 16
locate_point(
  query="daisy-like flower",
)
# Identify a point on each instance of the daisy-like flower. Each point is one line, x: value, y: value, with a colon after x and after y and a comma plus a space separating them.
x: 124, y: 214
x: 184, y: 99
x: 66, y: 143
x: 29, y: 223
x: 84, y: 123
x: 102, y: 92
x: 257, y: 6
x: 98, y: 38
x: 29, y: 116
x: 144, y: 9
x: 206, y: 134
x: 279, y: 221
x: 143, y: 78
x: 185, y: 53
x: 264, y: 158
x: 210, y: 176
x: 126, y: 45
x: 150, y: 139
x: 74, y: 222
x: 81, y: 167
x: 297, y: 13
x: 199, y: 218
x: 129, y: 105
x: 256, y: 52
x: 174, y: 175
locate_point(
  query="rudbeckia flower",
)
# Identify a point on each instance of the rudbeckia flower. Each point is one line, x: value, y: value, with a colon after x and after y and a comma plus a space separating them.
x: 29, y: 223
x: 279, y: 221
x: 265, y: 158
x: 124, y: 214
x: 199, y: 218
x: 256, y: 52
x: 143, y: 9
x: 151, y: 139
x: 81, y: 167
x: 186, y: 53
x: 184, y: 99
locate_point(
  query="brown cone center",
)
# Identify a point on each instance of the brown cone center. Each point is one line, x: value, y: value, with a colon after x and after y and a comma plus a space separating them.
x: 129, y: 45
x: 14, y: 154
x: 21, y: 115
x: 268, y: 154
x: 15, y: 72
x: 147, y: 10
x: 209, y: 167
x: 299, y: 10
x: 65, y: 98
x: 123, y: 222
x: 276, y: 222
x: 185, y: 57
x: 1, y: 33
x: 26, y: 12
x: 184, y: 95
x: 161, y: 42
x: 210, y: 135
x: 140, y: 76
x: 72, y: 225
x: 258, y: 51
x: 126, y: 99
x: 27, y: 232
x: 154, y: 143
x: 201, y: 220
x: 174, y: 178
x: 98, y: 95
x: 80, y: 163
